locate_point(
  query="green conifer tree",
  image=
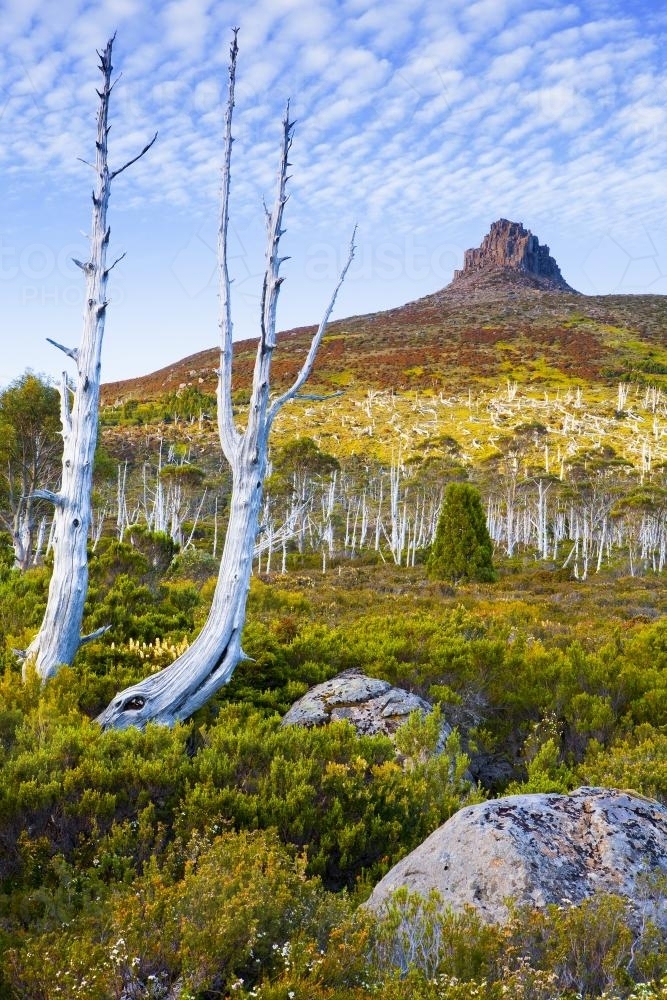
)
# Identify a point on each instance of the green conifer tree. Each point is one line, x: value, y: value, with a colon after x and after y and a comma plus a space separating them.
x: 462, y: 548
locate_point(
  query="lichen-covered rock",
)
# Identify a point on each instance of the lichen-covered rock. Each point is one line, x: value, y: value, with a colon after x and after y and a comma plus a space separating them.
x: 372, y: 706
x: 540, y: 849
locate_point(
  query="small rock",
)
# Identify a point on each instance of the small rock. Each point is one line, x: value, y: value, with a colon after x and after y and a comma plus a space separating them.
x: 372, y: 705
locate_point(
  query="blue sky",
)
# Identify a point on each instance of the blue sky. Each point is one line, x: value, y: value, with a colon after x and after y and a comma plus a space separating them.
x: 420, y: 121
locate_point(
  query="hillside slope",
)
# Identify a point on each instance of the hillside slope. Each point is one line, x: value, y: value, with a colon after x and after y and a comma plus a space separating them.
x: 507, y: 311
x: 449, y: 339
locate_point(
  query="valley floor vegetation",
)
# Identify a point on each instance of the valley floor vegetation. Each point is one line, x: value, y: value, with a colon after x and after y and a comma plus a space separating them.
x: 228, y: 856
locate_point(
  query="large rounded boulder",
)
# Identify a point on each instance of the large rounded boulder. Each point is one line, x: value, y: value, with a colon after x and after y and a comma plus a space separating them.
x: 540, y: 849
x: 371, y: 705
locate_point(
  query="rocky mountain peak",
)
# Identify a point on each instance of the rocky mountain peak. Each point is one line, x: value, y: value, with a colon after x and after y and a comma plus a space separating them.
x: 511, y: 252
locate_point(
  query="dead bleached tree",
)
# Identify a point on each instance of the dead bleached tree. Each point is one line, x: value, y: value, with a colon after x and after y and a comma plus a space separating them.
x: 180, y: 689
x: 60, y: 636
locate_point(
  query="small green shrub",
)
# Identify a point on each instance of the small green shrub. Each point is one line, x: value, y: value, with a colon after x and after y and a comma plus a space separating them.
x: 462, y: 548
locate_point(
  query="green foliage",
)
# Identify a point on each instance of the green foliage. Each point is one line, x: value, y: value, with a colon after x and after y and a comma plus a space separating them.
x: 184, y: 474
x: 294, y: 464
x: 29, y: 425
x: 419, y: 737
x: 194, y: 565
x: 594, y: 948
x: 105, y: 469
x: 341, y: 798
x: 421, y: 934
x: 238, y: 906
x: 189, y: 404
x: 157, y: 546
x: 6, y: 552
x: 591, y: 949
x: 637, y: 762
x: 239, y: 903
x: 106, y: 838
x: 125, y: 591
x: 546, y: 773
x: 462, y: 548
x: 134, y: 611
x: 22, y: 600
x: 100, y: 831
x: 30, y: 449
x: 545, y: 767
x: 302, y: 455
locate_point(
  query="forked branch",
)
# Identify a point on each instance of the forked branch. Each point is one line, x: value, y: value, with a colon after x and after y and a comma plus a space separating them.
x: 176, y: 692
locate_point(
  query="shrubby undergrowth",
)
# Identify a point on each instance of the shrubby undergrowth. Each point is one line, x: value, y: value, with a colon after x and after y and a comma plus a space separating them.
x: 228, y: 856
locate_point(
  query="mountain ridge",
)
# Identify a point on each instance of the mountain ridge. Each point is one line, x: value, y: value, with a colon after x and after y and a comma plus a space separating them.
x: 509, y: 308
x: 453, y: 338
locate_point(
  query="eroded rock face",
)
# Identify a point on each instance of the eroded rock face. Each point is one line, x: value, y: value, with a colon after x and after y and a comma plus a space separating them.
x: 372, y: 706
x: 511, y: 248
x: 539, y: 849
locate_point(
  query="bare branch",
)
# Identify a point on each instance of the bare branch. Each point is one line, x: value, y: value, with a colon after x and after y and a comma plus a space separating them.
x: 117, y: 261
x: 272, y: 281
x: 71, y: 352
x: 105, y: 57
x: 97, y: 634
x: 49, y: 495
x: 229, y: 436
x: 114, y: 173
x: 178, y: 690
x: 261, y: 380
x: 84, y: 267
x: 316, y: 341
x: 87, y: 162
x: 59, y: 635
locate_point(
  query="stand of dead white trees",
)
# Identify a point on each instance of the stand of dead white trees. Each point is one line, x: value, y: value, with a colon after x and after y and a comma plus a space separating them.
x: 180, y: 689
x: 391, y: 512
x: 59, y: 636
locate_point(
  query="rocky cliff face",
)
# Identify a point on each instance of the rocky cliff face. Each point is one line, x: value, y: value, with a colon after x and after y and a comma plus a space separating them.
x: 511, y: 249
x: 541, y: 849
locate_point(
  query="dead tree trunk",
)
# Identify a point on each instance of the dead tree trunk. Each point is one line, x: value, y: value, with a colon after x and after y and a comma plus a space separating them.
x: 180, y: 689
x: 59, y: 636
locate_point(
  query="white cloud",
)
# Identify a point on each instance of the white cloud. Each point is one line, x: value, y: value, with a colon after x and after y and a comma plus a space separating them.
x: 186, y: 24
x: 533, y: 25
x: 511, y: 65
x: 411, y: 118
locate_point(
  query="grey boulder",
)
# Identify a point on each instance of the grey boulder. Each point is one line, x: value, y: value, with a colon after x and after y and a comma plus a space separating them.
x: 371, y: 705
x: 541, y: 849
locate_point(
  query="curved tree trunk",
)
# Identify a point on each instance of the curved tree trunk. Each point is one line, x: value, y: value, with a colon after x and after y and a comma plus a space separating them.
x: 59, y: 636
x: 175, y: 693
x: 180, y: 689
